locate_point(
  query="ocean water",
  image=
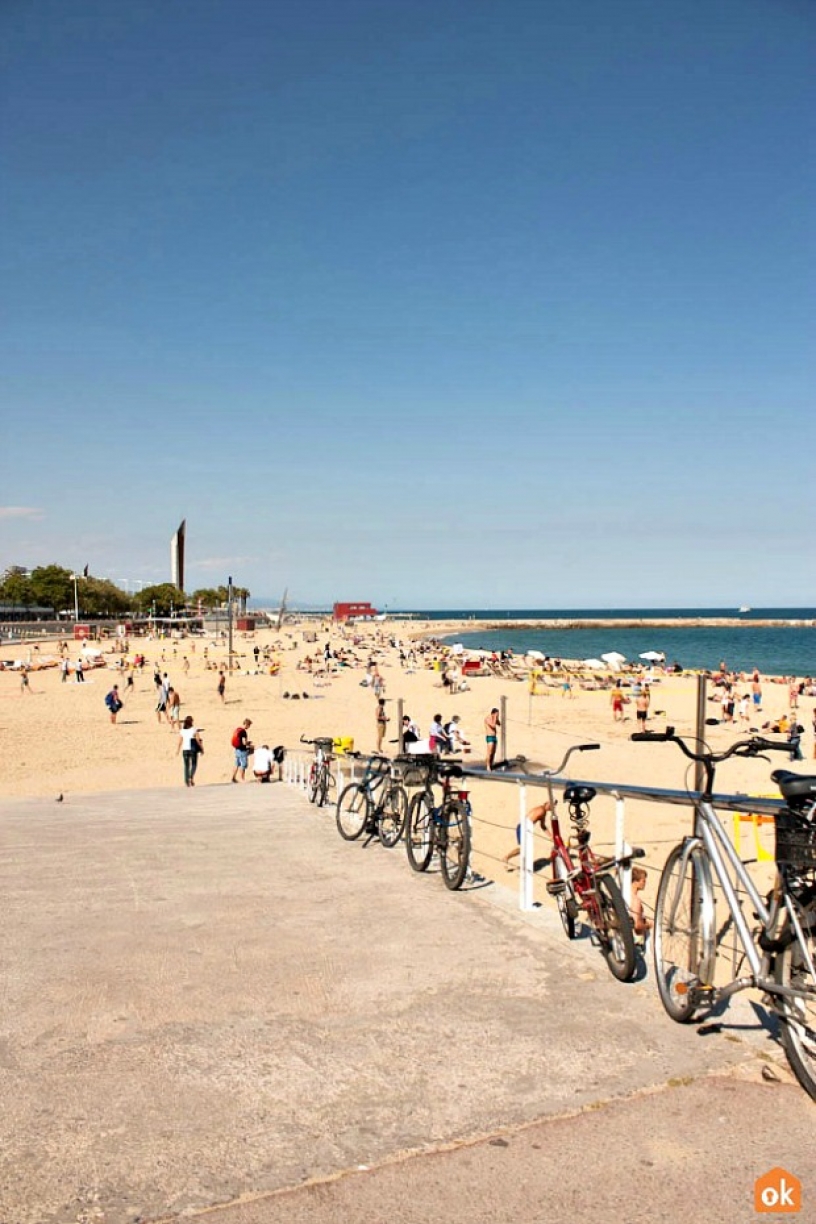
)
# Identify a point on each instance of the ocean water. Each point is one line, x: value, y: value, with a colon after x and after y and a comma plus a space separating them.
x: 788, y: 650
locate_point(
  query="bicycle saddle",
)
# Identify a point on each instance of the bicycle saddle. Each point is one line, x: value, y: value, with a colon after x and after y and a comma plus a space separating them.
x: 794, y: 786
x: 580, y: 794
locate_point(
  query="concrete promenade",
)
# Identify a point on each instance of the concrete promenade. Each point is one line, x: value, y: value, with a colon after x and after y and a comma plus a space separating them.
x: 211, y: 1004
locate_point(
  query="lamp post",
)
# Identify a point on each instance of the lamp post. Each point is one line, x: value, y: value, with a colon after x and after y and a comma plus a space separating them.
x: 75, y: 580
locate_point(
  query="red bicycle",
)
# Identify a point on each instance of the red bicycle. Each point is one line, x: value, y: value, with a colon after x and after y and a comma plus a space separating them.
x: 585, y: 884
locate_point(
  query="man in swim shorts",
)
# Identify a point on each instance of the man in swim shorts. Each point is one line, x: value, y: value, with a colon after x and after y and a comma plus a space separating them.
x: 491, y: 725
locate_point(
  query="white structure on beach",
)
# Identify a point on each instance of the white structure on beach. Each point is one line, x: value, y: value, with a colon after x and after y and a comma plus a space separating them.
x: 177, y: 556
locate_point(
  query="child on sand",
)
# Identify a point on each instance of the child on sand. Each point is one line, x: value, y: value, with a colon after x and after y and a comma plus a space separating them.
x: 642, y: 924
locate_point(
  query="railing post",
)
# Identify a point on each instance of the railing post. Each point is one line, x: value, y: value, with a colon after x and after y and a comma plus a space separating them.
x: 400, y: 743
x: 622, y: 848
x: 503, y: 729
x: 526, y: 854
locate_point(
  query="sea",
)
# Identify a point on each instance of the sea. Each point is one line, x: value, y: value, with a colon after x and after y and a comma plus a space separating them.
x: 788, y: 650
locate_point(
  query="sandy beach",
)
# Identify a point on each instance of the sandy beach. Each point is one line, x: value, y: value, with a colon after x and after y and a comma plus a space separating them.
x: 59, y: 739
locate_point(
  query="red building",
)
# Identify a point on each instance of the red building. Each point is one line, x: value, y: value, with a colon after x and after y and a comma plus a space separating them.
x: 354, y: 611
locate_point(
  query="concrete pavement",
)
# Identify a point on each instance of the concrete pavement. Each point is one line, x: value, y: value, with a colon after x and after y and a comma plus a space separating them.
x: 209, y: 998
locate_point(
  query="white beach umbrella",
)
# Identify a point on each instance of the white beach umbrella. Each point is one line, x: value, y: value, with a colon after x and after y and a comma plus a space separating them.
x: 592, y: 663
x: 457, y: 648
x: 535, y: 654
x: 614, y: 659
x: 653, y: 656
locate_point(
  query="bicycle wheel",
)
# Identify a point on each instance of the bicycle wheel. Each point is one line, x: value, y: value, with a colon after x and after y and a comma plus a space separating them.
x: 392, y: 815
x: 454, y: 844
x: 353, y: 811
x: 419, y: 835
x: 616, y: 931
x: 797, y: 1017
x: 684, y: 949
x: 565, y: 899
x: 324, y: 782
x: 312, y: 785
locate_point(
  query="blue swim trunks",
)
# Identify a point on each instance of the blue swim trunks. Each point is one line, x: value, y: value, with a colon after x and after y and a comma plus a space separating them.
x: 241, y: 758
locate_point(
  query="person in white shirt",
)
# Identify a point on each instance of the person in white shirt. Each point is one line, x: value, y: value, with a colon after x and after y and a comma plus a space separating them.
x: 263, y: 763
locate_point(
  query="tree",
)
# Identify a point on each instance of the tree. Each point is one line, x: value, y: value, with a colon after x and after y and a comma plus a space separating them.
x: 161, y: 599
x: 101, y: 597
x: 53, y: 587
x: 16, y: 588
x: 209, y: 597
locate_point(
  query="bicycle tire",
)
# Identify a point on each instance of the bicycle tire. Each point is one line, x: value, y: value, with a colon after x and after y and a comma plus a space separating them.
x: 312, y: 785
x: 392, y: 816
x: 797, y: 1017
x: 567, y: 908
x: 323, y: 787
x: 617, y: 932
x: 353, y: 811
x: 419, y: 834
x: 454, y: 844
x: 684, y: 947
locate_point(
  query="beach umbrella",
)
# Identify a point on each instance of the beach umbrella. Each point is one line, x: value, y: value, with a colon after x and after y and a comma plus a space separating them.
x: 535, y: 654
x: 457, y: 648
x: 614, y: 659
x: 592, y: 663
x: 653, y: 656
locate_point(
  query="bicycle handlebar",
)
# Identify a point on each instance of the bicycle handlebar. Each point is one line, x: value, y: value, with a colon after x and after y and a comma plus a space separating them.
x: 551, y: 773
x: 748, y: 748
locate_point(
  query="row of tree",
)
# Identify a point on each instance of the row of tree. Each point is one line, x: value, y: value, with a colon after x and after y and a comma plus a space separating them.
x: 52, y: 586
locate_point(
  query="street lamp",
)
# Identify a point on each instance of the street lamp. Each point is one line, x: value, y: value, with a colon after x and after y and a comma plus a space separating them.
x: 75, y: 580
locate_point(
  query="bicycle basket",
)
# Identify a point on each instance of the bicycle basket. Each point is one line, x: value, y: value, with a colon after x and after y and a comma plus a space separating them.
x: 795, y: 840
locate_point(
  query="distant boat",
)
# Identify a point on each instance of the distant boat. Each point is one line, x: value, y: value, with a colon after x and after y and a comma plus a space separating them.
x: 745, y: 608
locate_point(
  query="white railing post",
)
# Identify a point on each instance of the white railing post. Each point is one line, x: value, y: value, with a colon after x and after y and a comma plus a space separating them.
x: 526, y: 855
x: 622, y: 848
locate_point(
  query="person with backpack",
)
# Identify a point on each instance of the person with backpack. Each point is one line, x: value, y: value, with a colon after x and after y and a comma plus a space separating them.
x: 242, y: 746
x: 114, y: 702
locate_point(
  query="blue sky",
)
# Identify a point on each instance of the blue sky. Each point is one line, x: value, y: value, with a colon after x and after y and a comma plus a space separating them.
x: 444, y: 303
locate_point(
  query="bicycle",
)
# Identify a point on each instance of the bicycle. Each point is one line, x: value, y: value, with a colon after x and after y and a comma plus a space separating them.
x: 442, y: 827
x: 321, y: 778
x: 587, y: 886
x: 377, y: 803
x: 780, y: 949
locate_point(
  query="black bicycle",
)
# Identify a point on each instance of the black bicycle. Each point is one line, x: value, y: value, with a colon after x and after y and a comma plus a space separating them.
x: 442, y: 827
x: 377, y: 804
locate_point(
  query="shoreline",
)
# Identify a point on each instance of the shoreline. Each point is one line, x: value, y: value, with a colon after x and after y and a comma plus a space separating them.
x: 675, y: 622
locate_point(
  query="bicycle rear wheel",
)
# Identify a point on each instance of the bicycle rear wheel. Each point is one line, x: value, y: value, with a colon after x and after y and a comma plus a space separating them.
x: 797, y: 1017
x: 419, y: 834
x: 324, y: 783
x: 616, y: 931
x: 353, y: 811
x: 313, y: 783
x: 392, y: 815
x: 684, y: 948
x: 454, y: 844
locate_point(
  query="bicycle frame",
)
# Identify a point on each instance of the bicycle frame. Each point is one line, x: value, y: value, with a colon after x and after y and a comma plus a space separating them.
x: 710, y: 832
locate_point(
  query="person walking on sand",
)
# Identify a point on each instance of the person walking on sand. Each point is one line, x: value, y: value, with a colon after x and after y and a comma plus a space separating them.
x: 491, y: 726
x: 616, y: 699
x: 642, y: 708
x: 114, y: 702
x: 65, y: 667
x: 382, y: 722
x: 190, y: 746
x: 242, y: 746
x: 756, y: 692
x: 222, y: 687
x: 78, y: 672
x: 173, y: 708
x: 25, y: 686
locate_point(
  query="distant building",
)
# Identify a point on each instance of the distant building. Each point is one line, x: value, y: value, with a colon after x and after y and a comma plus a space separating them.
x: 177, y: 556
x: 354, y: 611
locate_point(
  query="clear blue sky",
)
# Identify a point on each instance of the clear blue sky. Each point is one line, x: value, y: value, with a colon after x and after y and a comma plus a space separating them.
x: 432, y: 303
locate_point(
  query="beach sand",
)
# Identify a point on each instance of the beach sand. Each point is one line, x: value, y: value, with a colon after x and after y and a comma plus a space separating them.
x: 58, y: 738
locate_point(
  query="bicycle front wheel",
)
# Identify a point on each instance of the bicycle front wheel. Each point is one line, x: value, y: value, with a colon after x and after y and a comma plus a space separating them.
x: 392, y: 816
x: 616, y: 931
x: 454, y: 847
x: 353, y: 811
x: 313, y: 783
x: 419, y: 834
x: 797, y: 1017
x: 324, y: 783
x: 684, y: 948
